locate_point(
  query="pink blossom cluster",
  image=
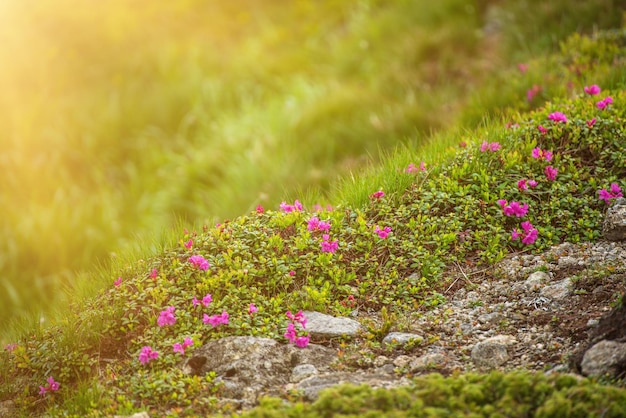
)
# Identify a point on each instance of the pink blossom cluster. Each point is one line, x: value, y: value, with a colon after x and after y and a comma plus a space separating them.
x: 147, y: 354
x: 216, y: 320
x: 542, y: 129
x: 591, y: 122
x: 154, y: 273
x: 551, y: 173
x: 528, y: 234
x: 252, y: 309
x: 297, y: 206
x: 557, y: 117
x: 592, y: 90
x: 490, y: 146
x: 532, y: 92
x: 180, y: 348
x: 327, y: 245
x: 166, y: 317
x: 200, y: 262
x: 292, y: 334
x: 377, y: 195
x: 382, y: 233
x: 315, y: 224
x: 523, y: 184
x: 613, y: 193
x: 540, y: 154
x: 413, y: 169
x: 604, y: 102
x: 206, y: 300
x: 118, y: 282
x: 513, y: 208
x: 188, y: 244
x: 52, y: 386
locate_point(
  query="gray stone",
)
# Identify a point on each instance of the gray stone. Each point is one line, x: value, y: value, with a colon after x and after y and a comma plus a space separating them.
x: 614, y: 226
x: 401, y: 338
x: 491, y: 353
x: 326, y: 326
x: 302, y: 371
x: 136, y: 415
x: 247, y: 366
x: 559, y: 290
x: 428, y: 362
x: 536, y: 279
x: 402, y: 361
x: 311, y: 387
x: 605, y: 357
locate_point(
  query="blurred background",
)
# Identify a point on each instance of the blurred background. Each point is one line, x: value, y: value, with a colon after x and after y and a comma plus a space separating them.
x: 121, y: 119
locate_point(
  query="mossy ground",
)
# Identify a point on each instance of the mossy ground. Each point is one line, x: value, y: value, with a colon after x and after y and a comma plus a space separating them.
x: 444, y: 214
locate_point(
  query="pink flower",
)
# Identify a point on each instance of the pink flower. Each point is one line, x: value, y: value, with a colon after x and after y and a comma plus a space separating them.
x: 200, y: 262
x: 529, y: 234
x: 604, y: 102
x: 10, y: 347
x: 118, y: 282
x: 292, y: 273
x: 522, y: 67
x: 297, y: 206
x: 302, y: 341
x: 514, y: 208
x: 51, y: 387
x: 377, y: 195
x: 490, y: 146
x: 166, y: 317
x: 189, y: 244
x: 290, y: 333
x: 413, y: 169
x: 542, y: 154
x: 592, y: 90
x: 187, y: 342
x: 591, y: 122
x: 531, y: 93
x: 146, y: 355
x: 216, y: 320
x: 315, y: 224
x: 252, y: 309
x: 551, y: 173
x: 178, y: 348
x: 614, y: 193
x: 260, y: 209
x: 542, y: 129
x: 557, y: 117
x: 532, y: 183
x: 207, y: 299
x: 523, y: 184
x: 299, y: 317
x: 329, y: 246
x: 382, y: 233
x: 154, y: 273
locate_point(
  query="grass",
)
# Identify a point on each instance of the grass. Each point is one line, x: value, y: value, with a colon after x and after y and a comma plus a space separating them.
x: 177, y: 135
x: 103, y: 148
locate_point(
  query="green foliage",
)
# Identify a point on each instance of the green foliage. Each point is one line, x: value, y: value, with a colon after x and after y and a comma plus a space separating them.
x: 517, y: 394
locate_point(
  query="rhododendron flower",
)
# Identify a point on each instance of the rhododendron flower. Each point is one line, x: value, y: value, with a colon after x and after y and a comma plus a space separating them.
x: 557, y: 117
x: 260, y: 209
x: 514, y: 208
x: 592, y: 90
x: 523, y: 184
x: 604, y: 102
x: 489, y: 146
x: 299, y: 317
x: 154, y: 273
x: 511, y: 125
x: 522, y: 67
x: 51, y: 387
x: 532, y: 92
x: 146, y: 355
x: 252, y: 309
x: 292, y: 273
x: 200, y: 262
x: 528, y: 234
x: 166, y: 317
x: 10, y: 347
x: 118, y: 282
x: 297, y: 206
x: 377, y: 195
x: 591, y: 122
x: 542, y: 129
x: 189, y: 244
x: 315, y: 224
x: 291, y: 334
x: 329, y: 246
x: 216, y: 320
x: 613, y: 193
x: 206, y: 300
x: 551, y: 173
x: 302, y: 341
x: 382, y: 233
x: 542, y: 154
x: 180, y: 348
x: 413, y: 169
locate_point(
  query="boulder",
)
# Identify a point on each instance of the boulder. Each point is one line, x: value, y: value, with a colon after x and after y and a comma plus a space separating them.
x: 605, y: 358
x: 614, y: 226
x: 401, y: 338
x: 326, y: 326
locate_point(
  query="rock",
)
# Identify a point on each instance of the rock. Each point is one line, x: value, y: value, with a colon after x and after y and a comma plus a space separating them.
x: 311, y: 387
x: 492, y: 352
x: 302, y: 371
x: 326, y: 326
x: 402, y: 361
x: 536, y: 279
x: 428, y: 362
x: 606, y: 357
x: 614, y: 226
x: 401, y: 338
x: 136, y: 415
x: 248, y: 366
x: 559, y: 290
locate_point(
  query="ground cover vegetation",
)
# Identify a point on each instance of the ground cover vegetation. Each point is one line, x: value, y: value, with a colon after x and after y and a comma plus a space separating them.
x: 535, y: 179
x: 122, y: 122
